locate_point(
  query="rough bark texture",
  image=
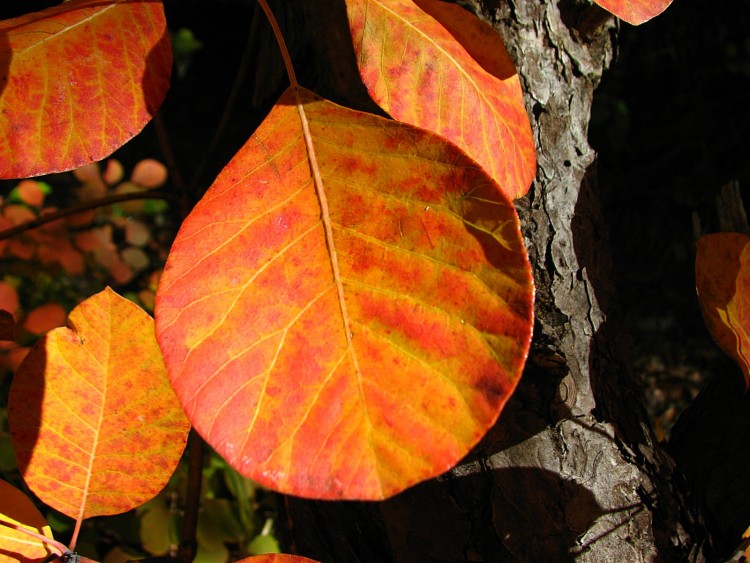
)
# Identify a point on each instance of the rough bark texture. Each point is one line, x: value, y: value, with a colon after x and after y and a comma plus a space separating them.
x: 570, y: 471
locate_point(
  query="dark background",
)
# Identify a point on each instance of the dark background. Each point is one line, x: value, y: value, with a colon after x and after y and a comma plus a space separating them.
x: 671, y: 124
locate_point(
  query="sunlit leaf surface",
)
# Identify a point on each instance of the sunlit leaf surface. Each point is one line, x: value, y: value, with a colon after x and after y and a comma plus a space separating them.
x: 722, y: 274
x: 635, y: 12
x: 352, y: 341
x: 95, y: 424
x: 433, y: 64
x: 78, y: 80
x: 17, y: 508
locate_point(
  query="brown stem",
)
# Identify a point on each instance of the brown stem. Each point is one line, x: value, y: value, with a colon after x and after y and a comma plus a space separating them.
x: 83, y: 206
x: 188, y: 544
x: 282, y: 44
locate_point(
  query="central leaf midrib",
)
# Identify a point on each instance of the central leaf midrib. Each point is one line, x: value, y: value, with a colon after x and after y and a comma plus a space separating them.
x: 328, y: 229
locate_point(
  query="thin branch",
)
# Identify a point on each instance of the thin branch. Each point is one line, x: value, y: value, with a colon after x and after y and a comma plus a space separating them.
x: 188, y: 545
x: 83, y: 206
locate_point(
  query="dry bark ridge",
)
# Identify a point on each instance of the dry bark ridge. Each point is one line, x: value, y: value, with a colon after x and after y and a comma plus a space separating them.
x: 571, y: 470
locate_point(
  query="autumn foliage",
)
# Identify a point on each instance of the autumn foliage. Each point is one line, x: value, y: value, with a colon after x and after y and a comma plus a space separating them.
x: 343, y: 314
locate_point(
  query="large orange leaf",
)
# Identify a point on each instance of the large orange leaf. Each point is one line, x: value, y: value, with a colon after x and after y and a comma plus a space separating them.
x: 16, y: 508
x: 78, y: 80
x: 95, y: 424
x: 350, y: 339
x: 435, y: 65
x: 635, y: 12
x: 722, y: 277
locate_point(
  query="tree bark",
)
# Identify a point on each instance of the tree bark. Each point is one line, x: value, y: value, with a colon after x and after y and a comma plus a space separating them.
x: 571, y: 470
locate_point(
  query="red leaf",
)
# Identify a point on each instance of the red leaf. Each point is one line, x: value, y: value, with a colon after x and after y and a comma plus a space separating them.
x: 356, y: 362
x: 17, y: 508
x: 95, y: 425
x: 436, y: 66
x: 80, y: 79
x: 44, y: 318
x: 722, y: 277
x: 635, y: 12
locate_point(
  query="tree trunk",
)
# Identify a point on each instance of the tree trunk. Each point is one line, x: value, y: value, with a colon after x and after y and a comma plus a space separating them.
x: 571, y: 470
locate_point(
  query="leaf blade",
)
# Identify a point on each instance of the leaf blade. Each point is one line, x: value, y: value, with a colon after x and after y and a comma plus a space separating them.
x: 80, y: 79
x: 251, y: 328
x: 635, y: 12
x: 722, y: 272
x: 17, y: 508
x: 95, y: 425
x: 434, y: 65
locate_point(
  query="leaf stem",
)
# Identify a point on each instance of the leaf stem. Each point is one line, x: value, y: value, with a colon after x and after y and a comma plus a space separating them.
x: 282, y: 44
x: 56, y: 545
x: 188, y: 545
x: 83, y: 206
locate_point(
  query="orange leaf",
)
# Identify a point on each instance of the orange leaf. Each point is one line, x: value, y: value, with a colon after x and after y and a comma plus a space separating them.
x: 79, y: 80
x: 95, y: 238
x: 20, y: 249
x: 95, y: 425
x: 635, y: 12
x: 31, y: 193
x: 17, y: 508
x: 18, y: 214
x: 113, y: 172
x: 436, y: 66
x: 149, y: 173
x: 722, y: 276
x: 62, y: 252
x: 44, y: 318
x: 352, y: 340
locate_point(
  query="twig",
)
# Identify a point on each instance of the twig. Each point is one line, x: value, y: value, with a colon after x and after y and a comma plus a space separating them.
x: 188, y: 545
x: 83, y: 206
